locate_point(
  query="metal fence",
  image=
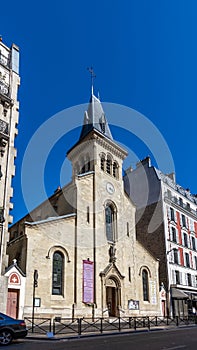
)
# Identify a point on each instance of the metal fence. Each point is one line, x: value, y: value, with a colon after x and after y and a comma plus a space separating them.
x: 38, y: 325
x: 80, y: 326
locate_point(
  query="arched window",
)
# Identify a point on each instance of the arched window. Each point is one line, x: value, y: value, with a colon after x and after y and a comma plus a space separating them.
x: 108, y: 165
x: 103, y: 162
x: 145, y: 285
x: 110, y: 222
x: 115, y: 170
x: 173, y: 234
x: 57, y: 276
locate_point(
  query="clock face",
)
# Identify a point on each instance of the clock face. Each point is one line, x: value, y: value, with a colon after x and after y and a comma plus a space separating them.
x: 110, y: 188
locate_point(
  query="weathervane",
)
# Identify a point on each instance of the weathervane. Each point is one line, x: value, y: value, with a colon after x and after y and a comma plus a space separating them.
x: 93, y: 75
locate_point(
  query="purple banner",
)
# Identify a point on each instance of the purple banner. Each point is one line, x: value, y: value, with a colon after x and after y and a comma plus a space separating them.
x: 88, y: 281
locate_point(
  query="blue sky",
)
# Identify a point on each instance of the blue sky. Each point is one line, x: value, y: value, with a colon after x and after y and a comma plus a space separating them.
x: 144, y: 55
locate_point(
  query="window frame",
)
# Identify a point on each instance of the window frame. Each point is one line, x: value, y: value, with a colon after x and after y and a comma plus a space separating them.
x: 177, y: 277
x: 193, y: 241
x: 187, y: 260
x: 173, y: 234
x: 172, y: 214
x: 176, y: 256
x: 60, y: 275
x: 183, y: 220
x: 109, y: 165
x: 185, y: 239
x: 110, y: 222
x: 145, y: 285
x: 189, y: 279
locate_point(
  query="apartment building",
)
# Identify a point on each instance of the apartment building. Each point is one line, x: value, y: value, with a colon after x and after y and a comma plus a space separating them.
x: 9, y: 107
x: 167, y: 226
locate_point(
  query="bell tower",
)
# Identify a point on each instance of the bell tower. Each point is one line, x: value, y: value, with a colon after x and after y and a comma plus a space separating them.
x: 97, y: 173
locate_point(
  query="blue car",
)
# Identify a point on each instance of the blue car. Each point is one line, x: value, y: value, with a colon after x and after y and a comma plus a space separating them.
x: 11, y: 329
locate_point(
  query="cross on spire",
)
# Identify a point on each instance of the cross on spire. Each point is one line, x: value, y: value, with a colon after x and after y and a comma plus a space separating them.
x: 92, y: 75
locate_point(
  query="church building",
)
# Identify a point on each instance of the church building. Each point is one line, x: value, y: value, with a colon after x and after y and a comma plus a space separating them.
x: 77, y: 254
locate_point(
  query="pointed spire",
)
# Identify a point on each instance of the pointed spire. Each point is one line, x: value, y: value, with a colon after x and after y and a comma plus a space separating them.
x: 94, y: 118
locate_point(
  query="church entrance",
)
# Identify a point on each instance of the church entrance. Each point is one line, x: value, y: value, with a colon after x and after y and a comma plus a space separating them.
x: 12, y: 303
x: 111, y: 300
x: 112, y: 297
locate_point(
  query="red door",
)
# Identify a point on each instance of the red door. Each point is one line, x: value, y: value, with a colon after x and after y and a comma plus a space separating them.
x: 12, y: 303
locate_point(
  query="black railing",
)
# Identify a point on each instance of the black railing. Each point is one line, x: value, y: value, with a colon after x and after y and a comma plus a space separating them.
x: 38, y: 325
x: 79, y: 326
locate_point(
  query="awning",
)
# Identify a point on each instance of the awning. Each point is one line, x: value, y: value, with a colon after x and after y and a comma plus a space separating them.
x: 178, y: 294
x: 192, y: 295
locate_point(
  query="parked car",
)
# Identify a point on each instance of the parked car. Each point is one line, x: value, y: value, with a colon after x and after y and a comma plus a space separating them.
x: 11, y: 329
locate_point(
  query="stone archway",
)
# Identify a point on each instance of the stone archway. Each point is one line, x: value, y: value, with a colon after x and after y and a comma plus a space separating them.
x: 113, y: 296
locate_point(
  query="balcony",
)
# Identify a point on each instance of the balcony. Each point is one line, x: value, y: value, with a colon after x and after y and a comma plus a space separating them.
x: 4, y: 60
x: 4, y: 88
x: 3, y: 128
x: 176, y: 201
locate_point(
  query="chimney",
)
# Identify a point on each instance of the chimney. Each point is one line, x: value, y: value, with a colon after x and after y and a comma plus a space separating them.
x: 146, y: 161
x: 172, y: 176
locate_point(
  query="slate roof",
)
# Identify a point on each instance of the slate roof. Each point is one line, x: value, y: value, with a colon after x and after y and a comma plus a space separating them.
x: 94, y: 118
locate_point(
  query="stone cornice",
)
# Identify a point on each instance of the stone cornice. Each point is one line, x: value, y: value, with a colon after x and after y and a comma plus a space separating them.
x: 96, y: 136
x: 112, y: 147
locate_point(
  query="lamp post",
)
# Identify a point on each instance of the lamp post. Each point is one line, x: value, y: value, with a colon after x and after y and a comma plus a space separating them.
x: 35, y: 284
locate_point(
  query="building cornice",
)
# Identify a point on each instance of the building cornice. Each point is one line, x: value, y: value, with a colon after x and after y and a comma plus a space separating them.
x: 96, y: 136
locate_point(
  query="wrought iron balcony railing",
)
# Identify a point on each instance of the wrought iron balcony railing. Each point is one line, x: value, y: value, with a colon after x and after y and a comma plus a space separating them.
x: 3, y: 127
x: 4, y: 88
x: 179, y: 203
x: 4, y: 60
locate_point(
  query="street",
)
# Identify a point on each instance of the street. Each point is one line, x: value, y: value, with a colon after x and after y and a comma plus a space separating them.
x: 181, y: 338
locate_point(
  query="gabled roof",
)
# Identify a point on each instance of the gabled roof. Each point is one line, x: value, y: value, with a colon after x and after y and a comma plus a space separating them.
x: 14, y: 265
x: 94, y: 118
x: 109, y: 267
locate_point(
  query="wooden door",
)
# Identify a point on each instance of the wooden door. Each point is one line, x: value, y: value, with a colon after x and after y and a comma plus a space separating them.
x: 12, y: 303
x: 111, y: 301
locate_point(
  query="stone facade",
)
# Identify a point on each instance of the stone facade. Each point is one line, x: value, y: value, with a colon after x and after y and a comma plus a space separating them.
x: 90, y: 225
x: 9, y: 106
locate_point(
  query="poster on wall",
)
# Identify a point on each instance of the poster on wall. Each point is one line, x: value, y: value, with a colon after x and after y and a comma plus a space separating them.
x: 133, y: 304
x: 153, y: 292
x: 88, y: 281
